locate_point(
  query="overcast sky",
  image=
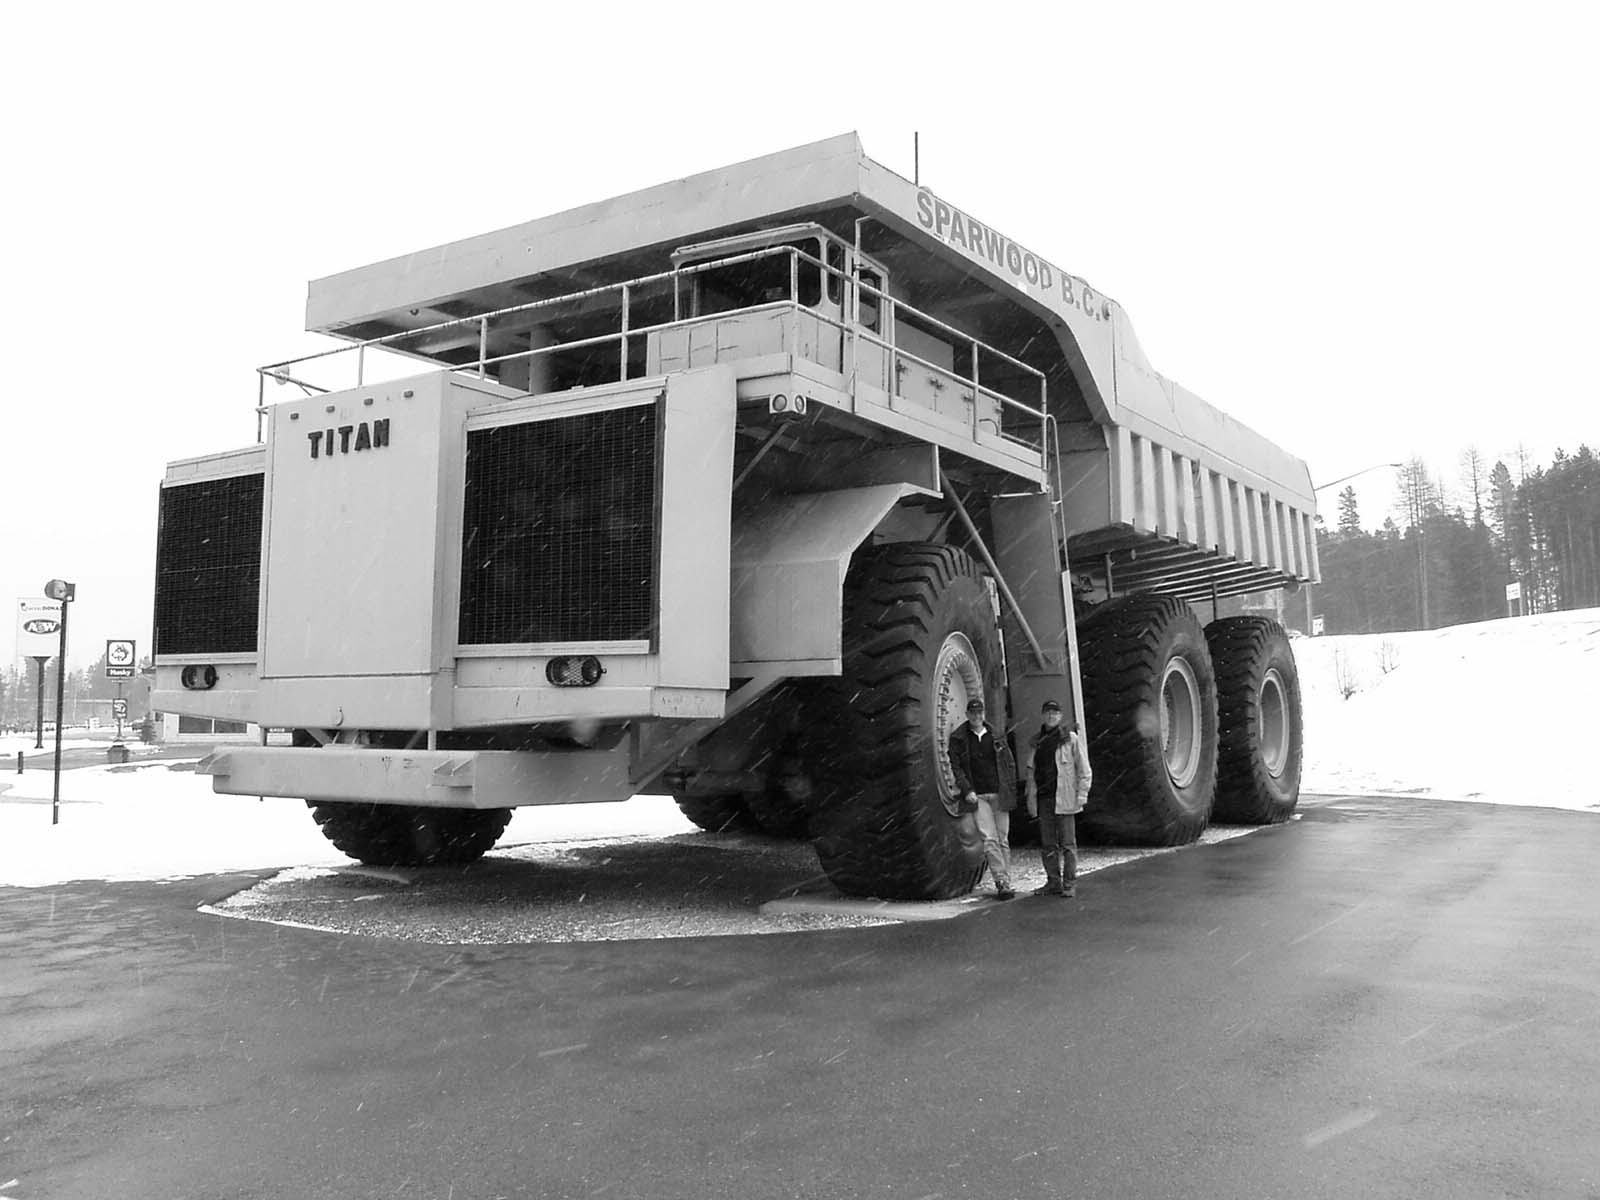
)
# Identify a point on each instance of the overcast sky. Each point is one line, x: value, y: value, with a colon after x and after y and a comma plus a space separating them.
x: 1368, y: 231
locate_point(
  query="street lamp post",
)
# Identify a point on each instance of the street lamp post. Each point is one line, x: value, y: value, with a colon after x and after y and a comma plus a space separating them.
x: 1335, y: 483
x: 60, y: 589
x: 39, y: 661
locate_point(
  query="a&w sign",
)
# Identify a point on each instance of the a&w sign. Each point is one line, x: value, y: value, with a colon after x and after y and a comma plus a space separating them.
x: 38, y: 627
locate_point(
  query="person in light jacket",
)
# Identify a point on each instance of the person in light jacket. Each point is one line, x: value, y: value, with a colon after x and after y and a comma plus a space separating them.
x: 1057, y: 775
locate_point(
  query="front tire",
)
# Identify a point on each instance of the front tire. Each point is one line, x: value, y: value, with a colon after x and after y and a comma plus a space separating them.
x: 1258, y: 710
x: 1150, y: 713
x: 919, y: 640
x: 398, y: 835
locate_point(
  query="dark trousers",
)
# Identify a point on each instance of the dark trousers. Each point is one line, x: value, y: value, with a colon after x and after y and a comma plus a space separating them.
x: 1058, y: 844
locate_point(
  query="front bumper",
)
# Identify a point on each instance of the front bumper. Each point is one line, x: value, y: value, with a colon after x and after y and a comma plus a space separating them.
x: 423, y: 778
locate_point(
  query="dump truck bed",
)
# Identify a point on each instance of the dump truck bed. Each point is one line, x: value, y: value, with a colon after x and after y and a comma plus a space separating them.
x: 1159, y: 488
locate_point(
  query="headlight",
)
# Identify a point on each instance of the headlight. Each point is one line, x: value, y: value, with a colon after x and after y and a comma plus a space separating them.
x: 199, y: 679
x: 574, y: 671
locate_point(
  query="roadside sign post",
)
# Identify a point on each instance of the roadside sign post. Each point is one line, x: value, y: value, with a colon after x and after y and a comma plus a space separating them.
x: 120, y: 657
x: 61, y: 590
x: 38, y: 717
x: 38, y: 623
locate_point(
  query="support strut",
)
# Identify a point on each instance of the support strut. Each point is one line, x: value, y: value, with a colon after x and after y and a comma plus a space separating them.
x: 999, y: 579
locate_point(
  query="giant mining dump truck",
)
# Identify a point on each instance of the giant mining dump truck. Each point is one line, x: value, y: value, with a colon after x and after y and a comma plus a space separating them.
x: 734, y: 489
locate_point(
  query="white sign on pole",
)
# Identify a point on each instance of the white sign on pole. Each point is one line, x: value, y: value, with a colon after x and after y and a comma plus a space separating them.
x: 38, y: 627
x: 1514, y: 591
x: 119, y: 659
x: 1316, y: 626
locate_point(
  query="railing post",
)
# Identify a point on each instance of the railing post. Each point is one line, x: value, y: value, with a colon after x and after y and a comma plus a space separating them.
x: 624, y: 353
x: 361, y: 364
x: 483, y: 346
x: 975, y: 386
x: 852, y: 319
x: 889, y: 319
x: 1044, y: 419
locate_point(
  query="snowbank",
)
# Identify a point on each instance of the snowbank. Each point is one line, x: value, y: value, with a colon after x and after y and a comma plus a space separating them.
x: 1497, y: 712
x: 71, y: 739
x: 159, y: 820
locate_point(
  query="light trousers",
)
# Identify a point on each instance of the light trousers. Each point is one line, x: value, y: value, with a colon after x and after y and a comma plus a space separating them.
x: 995, y: 826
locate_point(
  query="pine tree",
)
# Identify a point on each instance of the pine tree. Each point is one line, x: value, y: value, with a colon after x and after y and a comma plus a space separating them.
x: 1349, y: 515
x: 1418, y: 495
x: 1501, y: 495
x: 1472, y: 474
x: 1562, y: 510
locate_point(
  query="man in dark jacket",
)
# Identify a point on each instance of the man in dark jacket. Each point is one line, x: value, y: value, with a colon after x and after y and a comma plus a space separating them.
x: 986, y: 781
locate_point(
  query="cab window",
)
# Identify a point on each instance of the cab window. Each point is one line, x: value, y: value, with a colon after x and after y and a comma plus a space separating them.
x: 871, y: 301
x: 835, y: 274
x: 759, y: 281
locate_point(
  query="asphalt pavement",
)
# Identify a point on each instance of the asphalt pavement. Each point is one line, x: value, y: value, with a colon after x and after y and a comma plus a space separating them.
x: 1385, y: 998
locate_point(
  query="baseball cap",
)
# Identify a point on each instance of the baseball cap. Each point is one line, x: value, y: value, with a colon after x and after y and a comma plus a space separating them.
x: 1050, y: 706
x: 974, y: 705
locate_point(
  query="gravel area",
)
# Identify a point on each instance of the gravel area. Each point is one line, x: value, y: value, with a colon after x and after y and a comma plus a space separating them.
x: 612, y: 889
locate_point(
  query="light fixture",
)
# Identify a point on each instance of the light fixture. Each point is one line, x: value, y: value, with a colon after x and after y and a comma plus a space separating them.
x: 574, y: 671
x: 199, y: 678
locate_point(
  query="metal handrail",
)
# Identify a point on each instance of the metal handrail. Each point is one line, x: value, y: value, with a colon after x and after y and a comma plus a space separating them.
x: 547, y: 302
x: 978, y: 389
x: 898, y: 305
x: 888, y: 306
x: 1058, y: 495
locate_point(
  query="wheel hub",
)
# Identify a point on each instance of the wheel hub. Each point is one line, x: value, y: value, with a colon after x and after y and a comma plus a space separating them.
x: 957, y: 678
x: 1181, y: 734
x: 1274, y: 724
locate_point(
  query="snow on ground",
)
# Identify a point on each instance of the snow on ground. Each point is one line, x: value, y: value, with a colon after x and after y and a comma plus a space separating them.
x: 71, y: 739
x: 159, y: 820
x: 1497, y: 712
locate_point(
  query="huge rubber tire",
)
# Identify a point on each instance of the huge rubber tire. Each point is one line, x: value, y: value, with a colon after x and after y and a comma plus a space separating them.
x: 399, y: 835
x: 779, y: 814
x: 919, y: 639
x: 717, y: 814
x: 1259, y: 721
x: 1150, y: 713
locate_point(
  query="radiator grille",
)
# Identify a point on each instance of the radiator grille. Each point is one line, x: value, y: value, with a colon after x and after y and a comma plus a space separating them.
x: 559, y: 533
x: 208, y: 566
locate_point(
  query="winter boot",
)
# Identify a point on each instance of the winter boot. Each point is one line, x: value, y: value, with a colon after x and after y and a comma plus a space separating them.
x: 1069, y: 873
x: 1051, y: 859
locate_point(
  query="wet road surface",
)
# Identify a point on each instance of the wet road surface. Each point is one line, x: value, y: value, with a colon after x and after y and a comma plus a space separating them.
x: 1386, y: 998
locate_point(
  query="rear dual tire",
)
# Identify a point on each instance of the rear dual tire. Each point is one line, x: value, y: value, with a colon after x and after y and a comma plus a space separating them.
x: 1150, y: 714
x: 717, y: 814
x: 772, y: 813
x: 1260, y: 734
